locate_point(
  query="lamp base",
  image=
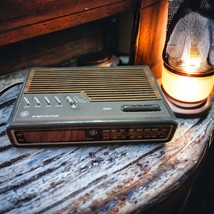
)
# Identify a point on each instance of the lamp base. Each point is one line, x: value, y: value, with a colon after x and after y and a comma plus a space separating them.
x: 188, y: 110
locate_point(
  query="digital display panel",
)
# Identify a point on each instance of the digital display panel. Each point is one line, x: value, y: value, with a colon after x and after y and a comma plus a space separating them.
x: 54, y: 136
x: 92, y: 135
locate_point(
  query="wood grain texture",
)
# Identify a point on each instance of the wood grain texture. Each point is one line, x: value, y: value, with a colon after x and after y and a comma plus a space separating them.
x: 26, y: 19
x: 96, y: 179
x: 150, y: 35
x: 58, y: 48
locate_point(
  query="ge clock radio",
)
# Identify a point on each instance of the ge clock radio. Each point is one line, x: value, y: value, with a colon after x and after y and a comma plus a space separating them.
x: 89, y: 105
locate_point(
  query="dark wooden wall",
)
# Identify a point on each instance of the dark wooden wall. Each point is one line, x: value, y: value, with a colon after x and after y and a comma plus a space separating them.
x: 51, y: 32
x: 23, y: 19
x: 57, y: 48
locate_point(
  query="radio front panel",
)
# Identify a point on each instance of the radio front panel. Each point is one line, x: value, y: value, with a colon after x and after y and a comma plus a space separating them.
x: 92, y: 135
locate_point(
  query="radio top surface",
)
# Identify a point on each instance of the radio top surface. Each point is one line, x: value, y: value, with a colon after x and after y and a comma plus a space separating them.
x: 90, y: 94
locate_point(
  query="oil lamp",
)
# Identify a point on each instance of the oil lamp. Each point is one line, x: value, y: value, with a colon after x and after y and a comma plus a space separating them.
x: 186, y: 84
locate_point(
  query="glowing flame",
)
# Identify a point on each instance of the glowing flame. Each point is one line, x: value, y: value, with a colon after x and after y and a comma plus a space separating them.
x: 190, y: 64
x: 191, y: 60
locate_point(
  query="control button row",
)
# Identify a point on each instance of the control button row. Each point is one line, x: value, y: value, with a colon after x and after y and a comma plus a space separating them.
x: 38, y: 102
x: 48, y: 102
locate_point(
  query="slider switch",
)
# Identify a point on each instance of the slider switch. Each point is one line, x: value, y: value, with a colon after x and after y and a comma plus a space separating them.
x: 72, y: 103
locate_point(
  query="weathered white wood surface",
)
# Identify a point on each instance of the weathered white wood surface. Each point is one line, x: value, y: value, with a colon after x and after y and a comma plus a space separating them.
x: 96, y: 179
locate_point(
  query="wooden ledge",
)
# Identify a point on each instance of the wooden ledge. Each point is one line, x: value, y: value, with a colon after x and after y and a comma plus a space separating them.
x: 26, y: 19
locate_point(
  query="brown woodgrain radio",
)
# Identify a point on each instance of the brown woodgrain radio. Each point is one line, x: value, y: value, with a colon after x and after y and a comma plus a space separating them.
x: 86, y: 105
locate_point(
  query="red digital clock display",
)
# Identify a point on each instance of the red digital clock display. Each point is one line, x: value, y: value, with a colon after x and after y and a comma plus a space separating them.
x: 54, y: 136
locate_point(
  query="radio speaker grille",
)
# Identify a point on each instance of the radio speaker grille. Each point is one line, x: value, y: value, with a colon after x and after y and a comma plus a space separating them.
x: 98, y: 84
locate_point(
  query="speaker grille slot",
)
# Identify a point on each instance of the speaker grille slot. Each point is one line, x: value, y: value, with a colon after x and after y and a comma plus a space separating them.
x: 112, y: 84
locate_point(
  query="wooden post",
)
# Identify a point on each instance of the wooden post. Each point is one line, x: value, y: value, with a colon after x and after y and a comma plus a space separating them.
x: 151, y: 34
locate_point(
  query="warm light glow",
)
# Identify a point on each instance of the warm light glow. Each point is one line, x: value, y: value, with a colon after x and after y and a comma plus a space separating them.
x: 187, y: 89
x: 191, y: 64
x: 190, y: 60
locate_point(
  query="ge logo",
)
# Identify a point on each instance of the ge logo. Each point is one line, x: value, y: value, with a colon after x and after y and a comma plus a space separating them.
x: 93, y: 132
x: 24, y: 113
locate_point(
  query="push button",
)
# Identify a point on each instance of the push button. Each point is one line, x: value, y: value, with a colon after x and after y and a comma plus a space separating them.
x: 47, y: 101
x: 141, y: 108
x: 58, y: 101
x: 27, y: 102
x: 38, y: 103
